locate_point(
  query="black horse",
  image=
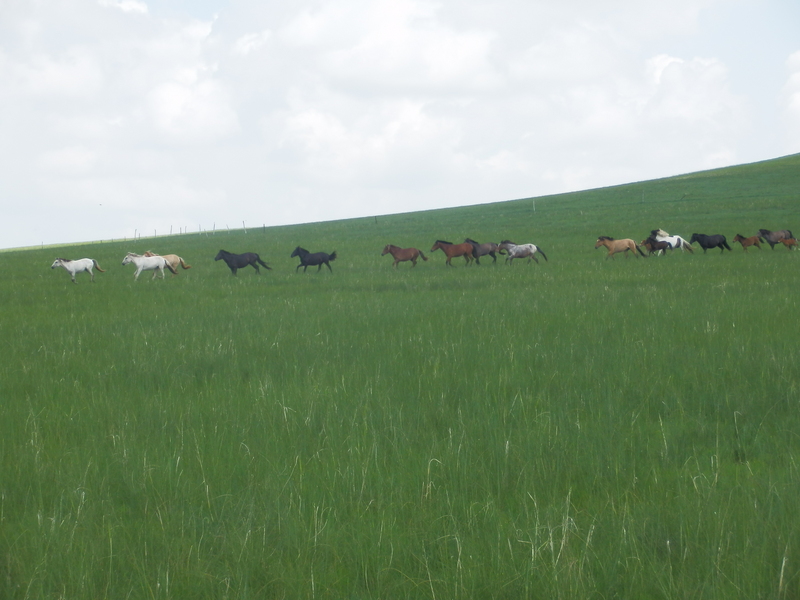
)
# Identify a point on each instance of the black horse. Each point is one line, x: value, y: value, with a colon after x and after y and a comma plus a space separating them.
x: 307, y: 259
x: 479, y: 250
x: 238, y: 261
x: 710, y: 241
x: 774, y: 237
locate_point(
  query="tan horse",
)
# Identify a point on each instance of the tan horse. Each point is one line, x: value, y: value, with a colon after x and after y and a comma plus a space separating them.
x: 173, y: 259
x: 616, y: 246
x: 403, y: 254
x: 747, y: 242
x: 454, y: 250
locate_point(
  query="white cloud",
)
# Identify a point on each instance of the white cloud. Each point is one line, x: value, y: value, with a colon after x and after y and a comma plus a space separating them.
x: 128, y: 6
x: 354, y: 107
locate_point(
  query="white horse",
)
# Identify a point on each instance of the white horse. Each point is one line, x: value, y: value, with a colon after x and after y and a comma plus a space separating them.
x: 513, y: 250
x: 77, y: 266
x: 675, y: 241
x: 148, y: 263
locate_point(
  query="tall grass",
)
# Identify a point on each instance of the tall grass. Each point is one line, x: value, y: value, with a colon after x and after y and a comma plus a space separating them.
x: 578, y: 428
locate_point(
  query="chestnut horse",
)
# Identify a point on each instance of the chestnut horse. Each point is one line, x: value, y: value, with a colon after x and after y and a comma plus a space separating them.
x: 789, y: 243
x: 747, y: 242
x: 403, y: 254
x: 454, y: 250
x: 615, y: 246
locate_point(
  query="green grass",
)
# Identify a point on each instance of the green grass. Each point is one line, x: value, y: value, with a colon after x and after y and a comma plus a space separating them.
x: 581, y: 428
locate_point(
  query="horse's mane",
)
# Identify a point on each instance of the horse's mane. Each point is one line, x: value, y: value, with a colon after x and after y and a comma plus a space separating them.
x: 606, y: 237
x: 134, y: 254
x: 444, y: 242
x: 507, y: 242
x: 64, y: 259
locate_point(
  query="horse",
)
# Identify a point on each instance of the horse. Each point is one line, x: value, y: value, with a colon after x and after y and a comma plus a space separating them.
x: 513, y: 251
x: 77, y: 266
x: 452, y: 251
x: 789, y: 243
x: 675, y: 241
x: 616, y: 246
x: 710, y: 241
x: 173, y: 259
x: 655, y: 246
x: 753, y: 240
x: 239, y: 261
x: 148, y: 263
x: 403, y: 254
x: 773, y: 237
x: 479, y: 250
x: 307, y: 259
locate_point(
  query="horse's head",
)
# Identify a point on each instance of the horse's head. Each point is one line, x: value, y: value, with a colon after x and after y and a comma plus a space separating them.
x: 220, y: 255
x: 57, y: 263
x: 695, y: 237
x: 299, y: 252
x: 128, y: 259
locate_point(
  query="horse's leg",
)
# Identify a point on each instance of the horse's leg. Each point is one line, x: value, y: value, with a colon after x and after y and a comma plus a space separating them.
x: 327, y: 264
x: 91, y: 272
x: 533, y: 256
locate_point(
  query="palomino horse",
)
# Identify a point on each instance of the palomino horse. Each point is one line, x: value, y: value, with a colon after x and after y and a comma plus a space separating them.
x: 773, y: 237
x: 513, y: 251
x: 308, y: 259
x: 157, y: 264
x: 403, y: 254
x: 173, y: 259
x: 654, y: 246
x: 239, y: 261
x: 77, y: 266
x: 452, y: 251
x: 789, y: 243
x: 675, y: 241
x: 710, y: 241
x: 616, y: 246
x: 479, y: 250
x: 753, y: 240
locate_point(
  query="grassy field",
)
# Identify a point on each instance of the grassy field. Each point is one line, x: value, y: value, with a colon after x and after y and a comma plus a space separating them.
x: 581, y: 428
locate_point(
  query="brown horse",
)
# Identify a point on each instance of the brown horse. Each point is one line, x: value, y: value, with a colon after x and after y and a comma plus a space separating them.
x: 454, y: 250
x: 173, y: 259
x: 789, y: 243
x: 402, y: 254
x: 747, y: 242
x: 615, y: 246
x: 654, y: 246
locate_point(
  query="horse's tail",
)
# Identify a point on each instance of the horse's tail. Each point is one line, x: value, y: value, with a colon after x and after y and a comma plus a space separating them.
x: 635, y: 245
x: 725, y: 243
x: 262, y: 263
x: 791, y: 235
x: 540, y: 251
x: 96, y: 266
x: 422, y: 256
x: 183, y: 264
x: 332, y: 256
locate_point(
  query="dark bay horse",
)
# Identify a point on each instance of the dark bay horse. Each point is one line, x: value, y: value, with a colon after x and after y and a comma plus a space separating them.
x: 710, y: 241
x: 774, y: 237
x: 479, y: 250
x: 615, y: 246
x: 308, y: 259
x: 753, y: 240
x: 655, y: 246
x: 402, y: 254
x: 239, y: 261
x: 452, y: 250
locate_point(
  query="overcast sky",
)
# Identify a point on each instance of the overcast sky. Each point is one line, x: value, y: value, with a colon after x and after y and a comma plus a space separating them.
x: 121, y: 116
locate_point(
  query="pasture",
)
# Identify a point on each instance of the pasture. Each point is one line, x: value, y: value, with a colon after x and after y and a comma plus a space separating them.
x: 577, y: 428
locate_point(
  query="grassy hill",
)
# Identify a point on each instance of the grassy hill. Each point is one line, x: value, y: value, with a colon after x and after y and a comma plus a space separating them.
x: 578, y: 428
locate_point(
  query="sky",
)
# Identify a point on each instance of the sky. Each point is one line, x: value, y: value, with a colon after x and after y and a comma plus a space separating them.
x: 126, y: 117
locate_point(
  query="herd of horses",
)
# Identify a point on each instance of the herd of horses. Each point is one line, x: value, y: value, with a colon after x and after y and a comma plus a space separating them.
x: 658, y: 242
